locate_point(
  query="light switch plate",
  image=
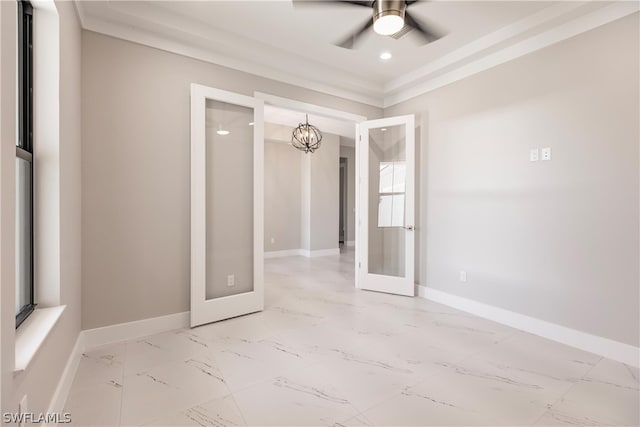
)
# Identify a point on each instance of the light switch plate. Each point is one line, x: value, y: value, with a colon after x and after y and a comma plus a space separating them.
x: 534, y: 155
x: 546, y: 153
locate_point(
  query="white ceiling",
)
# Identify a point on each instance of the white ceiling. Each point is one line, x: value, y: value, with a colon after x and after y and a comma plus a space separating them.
x: 295, y: 44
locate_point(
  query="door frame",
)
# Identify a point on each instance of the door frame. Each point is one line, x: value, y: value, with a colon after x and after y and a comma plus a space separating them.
x: 203, y: 310
x: 365, y: 280
x: 292, y: 104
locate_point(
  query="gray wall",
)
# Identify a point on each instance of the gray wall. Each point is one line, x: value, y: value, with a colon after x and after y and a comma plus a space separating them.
x: 283, y: 193
x: 136, y: 172
x: 555, y: 240
x: 40, y: 379
x: 350, y: 154
x: 324, y: 191
x: 302, y: 193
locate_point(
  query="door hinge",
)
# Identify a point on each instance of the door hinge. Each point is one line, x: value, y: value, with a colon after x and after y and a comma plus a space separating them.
x: 359, y: 265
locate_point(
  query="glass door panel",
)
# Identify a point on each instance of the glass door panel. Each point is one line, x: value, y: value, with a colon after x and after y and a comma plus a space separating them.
x: 387, y: 148
x: 229, y: 205
x: 227, y: 152
x: 387, y: 177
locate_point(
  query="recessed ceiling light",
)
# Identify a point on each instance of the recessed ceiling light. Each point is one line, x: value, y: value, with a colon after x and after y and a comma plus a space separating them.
x: 250, y: 123
x: 383, y: 129
x: 385, y: 55
x: 222, y: 132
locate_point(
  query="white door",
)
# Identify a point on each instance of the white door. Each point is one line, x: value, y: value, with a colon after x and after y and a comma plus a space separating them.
x: 386, y: 153
x: 227, y: 155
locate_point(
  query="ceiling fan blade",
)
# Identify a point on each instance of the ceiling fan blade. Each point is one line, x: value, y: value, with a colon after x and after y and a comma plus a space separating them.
x: 350, y: 41
x: 428, y: 32
x: 303, y: 3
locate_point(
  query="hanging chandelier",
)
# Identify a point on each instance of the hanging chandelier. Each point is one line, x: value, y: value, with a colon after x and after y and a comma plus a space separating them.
x: 306, y: 137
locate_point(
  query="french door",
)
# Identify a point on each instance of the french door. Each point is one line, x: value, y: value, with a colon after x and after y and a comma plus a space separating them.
x: 227, y: 156
x: 386, y: 235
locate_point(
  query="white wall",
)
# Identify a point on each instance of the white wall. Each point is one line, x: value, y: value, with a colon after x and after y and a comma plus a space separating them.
x: 556, y: 240
x: 41, y: 377
x: 135, y: 192
x: 46, y: 131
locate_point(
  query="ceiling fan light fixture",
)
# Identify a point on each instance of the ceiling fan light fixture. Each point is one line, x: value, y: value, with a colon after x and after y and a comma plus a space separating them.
x: 388, y: 16
x: 389, y: 23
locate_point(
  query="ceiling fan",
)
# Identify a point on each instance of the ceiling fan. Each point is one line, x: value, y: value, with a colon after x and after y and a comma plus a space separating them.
x: 390, y: 18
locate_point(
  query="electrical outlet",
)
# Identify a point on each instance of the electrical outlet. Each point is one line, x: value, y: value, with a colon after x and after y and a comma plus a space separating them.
x: 463, y: 276
x: 231, y: 280
x: 546, y: 153
x: 534, y: 155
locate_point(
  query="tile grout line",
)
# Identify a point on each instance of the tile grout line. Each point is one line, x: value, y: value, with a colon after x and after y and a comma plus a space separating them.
x: 549, y: 406
x: 231, y: 393
x: 458, y: 361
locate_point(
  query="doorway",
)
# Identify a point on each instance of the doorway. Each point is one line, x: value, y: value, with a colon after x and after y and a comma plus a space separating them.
x: 310, y: 197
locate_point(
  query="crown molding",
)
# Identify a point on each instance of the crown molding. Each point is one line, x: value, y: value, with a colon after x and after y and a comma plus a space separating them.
x: 178, y: 40
x: 531, y: 44
x: 548, y: 26
x: 409, y: 79
x: 79, y: 12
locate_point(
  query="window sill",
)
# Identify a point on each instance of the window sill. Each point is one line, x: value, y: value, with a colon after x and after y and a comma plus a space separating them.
x: 32, y: 333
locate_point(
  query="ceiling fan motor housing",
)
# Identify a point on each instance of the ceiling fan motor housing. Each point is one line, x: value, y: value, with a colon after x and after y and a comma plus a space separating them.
x: 383, y: 8
x: 388, y: 16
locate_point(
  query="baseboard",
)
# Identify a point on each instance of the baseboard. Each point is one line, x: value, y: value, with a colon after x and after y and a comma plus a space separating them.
x: 66, y: 380
x: 302, y: 252
x: 351, y: 243
x: 93, y: 338
x: 283, y: 253
x: 97, y: 337
x: 319, y: 252
x: 615, y: 350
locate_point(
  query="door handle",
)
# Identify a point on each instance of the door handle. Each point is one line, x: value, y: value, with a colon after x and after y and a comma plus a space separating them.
x: 409, y: 227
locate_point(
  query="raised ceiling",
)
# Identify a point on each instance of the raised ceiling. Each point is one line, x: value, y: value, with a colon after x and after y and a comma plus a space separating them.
x: 295, y: 44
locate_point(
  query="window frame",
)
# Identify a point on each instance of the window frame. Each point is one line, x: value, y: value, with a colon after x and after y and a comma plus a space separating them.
x: 24, y: 144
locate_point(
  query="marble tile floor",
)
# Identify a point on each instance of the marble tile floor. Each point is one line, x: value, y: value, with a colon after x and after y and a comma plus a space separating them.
x: 325, y: 354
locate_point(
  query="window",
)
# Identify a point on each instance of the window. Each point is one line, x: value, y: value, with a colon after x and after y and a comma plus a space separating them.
x: 24, y: 166
x: 392, y: 188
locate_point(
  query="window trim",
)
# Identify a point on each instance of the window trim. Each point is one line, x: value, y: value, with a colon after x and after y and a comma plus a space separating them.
x: 24, y: 147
